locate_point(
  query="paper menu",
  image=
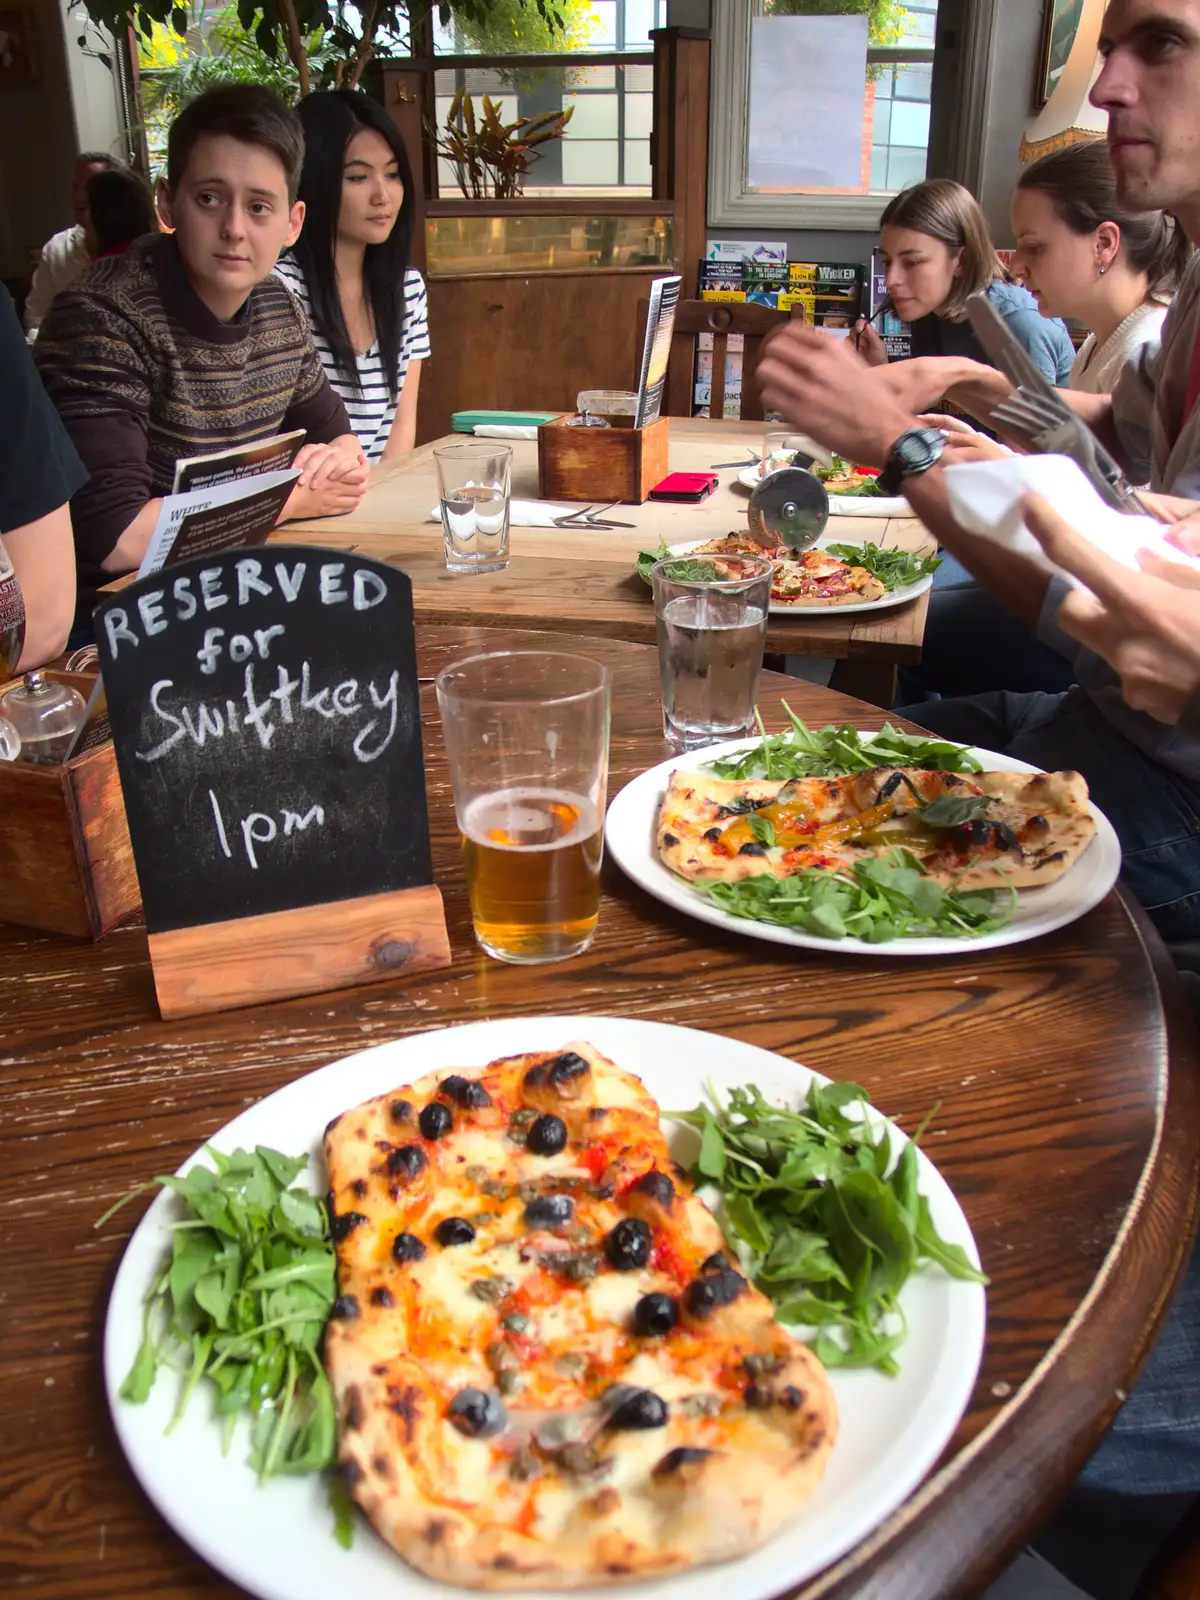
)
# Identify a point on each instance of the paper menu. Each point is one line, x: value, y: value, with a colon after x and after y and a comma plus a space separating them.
x: 242, y: 461
x: 656, y: 349
x: 231, y: 514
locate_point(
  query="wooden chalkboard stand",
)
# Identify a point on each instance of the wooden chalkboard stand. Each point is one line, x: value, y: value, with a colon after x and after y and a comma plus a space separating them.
x: 254, y: 960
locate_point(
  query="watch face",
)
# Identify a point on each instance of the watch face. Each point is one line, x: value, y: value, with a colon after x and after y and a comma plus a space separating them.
x: 916, y: 449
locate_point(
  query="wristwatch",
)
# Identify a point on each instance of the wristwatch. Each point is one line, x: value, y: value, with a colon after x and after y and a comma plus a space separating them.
x: 914, y: 452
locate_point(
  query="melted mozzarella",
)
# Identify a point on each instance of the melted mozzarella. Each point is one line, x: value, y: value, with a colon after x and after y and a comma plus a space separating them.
x: 612, y: 1296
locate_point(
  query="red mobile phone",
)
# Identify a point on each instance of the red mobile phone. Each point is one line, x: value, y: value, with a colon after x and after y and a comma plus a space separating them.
x: 685, y: 486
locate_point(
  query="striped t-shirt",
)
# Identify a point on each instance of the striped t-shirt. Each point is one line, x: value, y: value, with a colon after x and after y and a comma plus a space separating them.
x: 370, y: 408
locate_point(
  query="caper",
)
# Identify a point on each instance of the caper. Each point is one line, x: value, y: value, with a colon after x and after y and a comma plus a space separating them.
x: 508, y: 1381
x: 701, y: 1405
x: 580, y: 1234
x: 528, y: 1191
x: 476, y: 1174
x: 579, y: 1268
x: 524, y: 1465
x: 491, y: 1290
x: 761, y: 1363
x: 571, y: 1365
x: 515, y: 1322
x: 494, y: 1189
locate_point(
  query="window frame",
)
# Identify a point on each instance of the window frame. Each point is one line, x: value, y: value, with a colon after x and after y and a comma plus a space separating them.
x: 731, y: 202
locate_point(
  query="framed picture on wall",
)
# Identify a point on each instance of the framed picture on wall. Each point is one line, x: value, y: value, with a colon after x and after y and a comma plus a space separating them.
x: 1059, y: 27
x: 18, y: 45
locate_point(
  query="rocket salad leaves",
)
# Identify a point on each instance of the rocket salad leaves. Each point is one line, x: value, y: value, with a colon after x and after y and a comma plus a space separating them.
x: 823, y: 1220
x: 803, y: 752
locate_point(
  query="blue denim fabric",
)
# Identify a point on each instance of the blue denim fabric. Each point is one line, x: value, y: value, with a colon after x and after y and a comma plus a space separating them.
x: 1156, y: 812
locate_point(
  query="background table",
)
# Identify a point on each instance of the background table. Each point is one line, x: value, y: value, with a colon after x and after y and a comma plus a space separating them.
x: 583, y: 581
x: 1072, y: 1149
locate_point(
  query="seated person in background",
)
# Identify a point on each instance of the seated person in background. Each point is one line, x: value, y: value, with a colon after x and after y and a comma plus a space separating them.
x: 937, y: 251
x: 187, y: 343
x: 120, y: 210
x: 350, y: 266
x: 65, y: 255
x: 39, y: 472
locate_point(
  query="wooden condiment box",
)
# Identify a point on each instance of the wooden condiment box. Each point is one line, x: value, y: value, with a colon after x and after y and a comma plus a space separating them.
x: 66, y: 863
x: 601, y: 464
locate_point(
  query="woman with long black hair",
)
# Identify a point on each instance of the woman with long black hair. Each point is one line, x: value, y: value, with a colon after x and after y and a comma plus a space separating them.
x: 350, y: 266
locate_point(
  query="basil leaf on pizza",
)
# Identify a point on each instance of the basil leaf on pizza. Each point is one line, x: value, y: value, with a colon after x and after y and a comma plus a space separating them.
x: 951, y: 811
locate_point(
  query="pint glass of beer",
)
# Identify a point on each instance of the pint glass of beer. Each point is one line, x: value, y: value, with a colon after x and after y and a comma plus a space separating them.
x: 527, y: 740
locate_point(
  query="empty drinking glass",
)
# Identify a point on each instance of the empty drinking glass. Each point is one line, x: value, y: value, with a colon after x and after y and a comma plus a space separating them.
x: 473, y: 482
x: 711, y: 632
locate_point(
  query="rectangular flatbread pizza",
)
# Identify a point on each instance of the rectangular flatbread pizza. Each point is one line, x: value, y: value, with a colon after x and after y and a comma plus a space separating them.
x: 984, y: 830
x: 548, y: 1371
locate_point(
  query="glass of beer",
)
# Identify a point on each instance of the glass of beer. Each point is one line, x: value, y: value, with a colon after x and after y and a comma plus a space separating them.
x: 527, y: 740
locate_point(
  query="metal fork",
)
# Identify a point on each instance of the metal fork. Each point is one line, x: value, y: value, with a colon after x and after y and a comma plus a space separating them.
x: 1049, y: 426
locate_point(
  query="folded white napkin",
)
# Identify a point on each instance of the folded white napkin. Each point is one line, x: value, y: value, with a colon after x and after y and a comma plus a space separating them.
x: 504, y: 430
x: 985, y: 497
x: 527, y: 513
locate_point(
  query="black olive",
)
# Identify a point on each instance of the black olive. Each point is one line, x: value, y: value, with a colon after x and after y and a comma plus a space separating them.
x: 382, y: 1297
x: 628, y: 1245
x: 975, y: 832
x: 703, y: 1295
x: 640, y: 1408
x: 465, y: 1092
x: 407, y: 1247
x: 1004, y: 838
x: 567, y: 1068
x: 407, y: 1163
x: 683, y: 1455
x: 759, y: 1396
x: 435, y: 1120
x: 344, y: 1225
x: 717, y: 1262
x: 547, y: 1136
x: 791, y: 1398
x: 657, y: 1186
x: 888, y: 788
x: 654, y: 1315
x: 478, y: 1414
x: 453, y: 1230
x: 536, y: 1076
x: 401, y: 1110
x: 753, y: 848
x: 712, y: 834
x: 345, y: 1306
x: 550, y: 1211
x: 669, y: 838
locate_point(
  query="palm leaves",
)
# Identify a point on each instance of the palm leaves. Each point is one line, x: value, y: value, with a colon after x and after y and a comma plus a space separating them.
x: 491, y: 157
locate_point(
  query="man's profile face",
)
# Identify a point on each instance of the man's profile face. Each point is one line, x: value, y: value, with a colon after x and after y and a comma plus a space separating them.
x: 79, y: 183
x: 1150, y: 87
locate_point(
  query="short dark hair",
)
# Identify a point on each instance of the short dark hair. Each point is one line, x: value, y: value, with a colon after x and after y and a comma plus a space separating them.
x: 121, y: 209
x: 243, y: 111
x: 945, y: 211
x: 1079, y: 183
x: 331, y: 119
x: 99, y: 158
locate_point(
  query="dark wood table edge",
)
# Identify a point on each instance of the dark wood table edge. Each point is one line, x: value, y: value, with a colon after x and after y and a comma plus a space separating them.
x: 971, y: 1516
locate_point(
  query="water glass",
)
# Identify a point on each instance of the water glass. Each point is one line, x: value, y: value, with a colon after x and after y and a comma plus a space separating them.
x: 527, y: 740
x: 711, y: 632
x: 473, y: 484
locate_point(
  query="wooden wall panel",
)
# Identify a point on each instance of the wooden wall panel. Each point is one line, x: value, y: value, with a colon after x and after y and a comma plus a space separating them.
x: 527, y: 344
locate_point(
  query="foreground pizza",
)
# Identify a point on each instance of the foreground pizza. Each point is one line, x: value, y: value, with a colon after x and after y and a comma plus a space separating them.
x: 547, y: 1371
x: 988, y: 830
x: 813, y: 579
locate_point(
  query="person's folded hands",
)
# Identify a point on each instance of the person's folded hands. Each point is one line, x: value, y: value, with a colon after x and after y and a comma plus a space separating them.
x: 1145, y: 624
x: 333, y: 479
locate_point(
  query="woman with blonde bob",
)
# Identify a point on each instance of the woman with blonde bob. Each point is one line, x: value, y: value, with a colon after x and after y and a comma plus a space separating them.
x: 937, y: 252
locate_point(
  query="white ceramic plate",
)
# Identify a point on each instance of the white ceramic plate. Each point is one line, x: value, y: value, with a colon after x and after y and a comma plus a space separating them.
x: 278, y: 1543
x: 898, y: 597
x: 629, y: 835
x: 843, y: 505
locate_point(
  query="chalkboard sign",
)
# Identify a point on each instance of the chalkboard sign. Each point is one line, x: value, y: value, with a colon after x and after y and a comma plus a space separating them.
x: 265, y: 713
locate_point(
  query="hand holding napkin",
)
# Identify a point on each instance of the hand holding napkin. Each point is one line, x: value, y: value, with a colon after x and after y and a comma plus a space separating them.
x: 985, y: 497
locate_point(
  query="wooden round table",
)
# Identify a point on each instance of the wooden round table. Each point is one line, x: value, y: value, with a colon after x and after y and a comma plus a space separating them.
x: 1071, y: 1146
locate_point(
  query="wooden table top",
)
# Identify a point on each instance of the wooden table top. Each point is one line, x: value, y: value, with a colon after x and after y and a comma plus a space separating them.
x: 1072, y: 1148
x: 584, y: 581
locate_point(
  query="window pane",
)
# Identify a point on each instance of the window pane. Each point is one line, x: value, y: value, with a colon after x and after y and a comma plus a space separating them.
x: 913, y: 82
x: 883, y: 83
x: 589, y: 162
x: 910, y: 124
x: 637, y: 162
x: 595, y: 116
x: 640, y: 17
x: 879, y: 164
x: 905, y: 167
x: 639, y: 115
x: 881, y: 133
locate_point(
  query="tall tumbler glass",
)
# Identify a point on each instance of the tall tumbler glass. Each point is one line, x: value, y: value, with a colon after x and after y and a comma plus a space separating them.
x: 527, y: 740
x: 473, y: 483
x: 712, y: 625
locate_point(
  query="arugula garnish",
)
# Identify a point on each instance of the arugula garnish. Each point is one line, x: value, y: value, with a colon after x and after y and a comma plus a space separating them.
x: 684, y: 569
x: 242, y: 1301
x: 895, y: 569
x: 819, y: 1216
x: 877, y: 900
x: 803, y: 752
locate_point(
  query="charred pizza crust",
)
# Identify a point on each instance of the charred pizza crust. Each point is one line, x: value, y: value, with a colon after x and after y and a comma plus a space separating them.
x: 1036, y: 827
x: 609, y: 1448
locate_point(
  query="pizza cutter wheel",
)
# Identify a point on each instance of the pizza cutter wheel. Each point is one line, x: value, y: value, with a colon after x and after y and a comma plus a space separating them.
x: 791, y: 507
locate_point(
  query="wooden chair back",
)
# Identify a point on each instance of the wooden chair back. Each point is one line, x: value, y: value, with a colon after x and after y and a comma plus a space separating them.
x: 720, y: 318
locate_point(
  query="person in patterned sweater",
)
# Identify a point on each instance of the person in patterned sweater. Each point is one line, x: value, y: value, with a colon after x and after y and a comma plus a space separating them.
x: 187, y: 343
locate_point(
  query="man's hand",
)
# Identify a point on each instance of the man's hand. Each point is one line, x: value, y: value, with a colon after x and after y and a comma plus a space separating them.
x: 963, y: 442
x: 333, y: 479
x: 822, y: 388
x: 1145, y: 624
